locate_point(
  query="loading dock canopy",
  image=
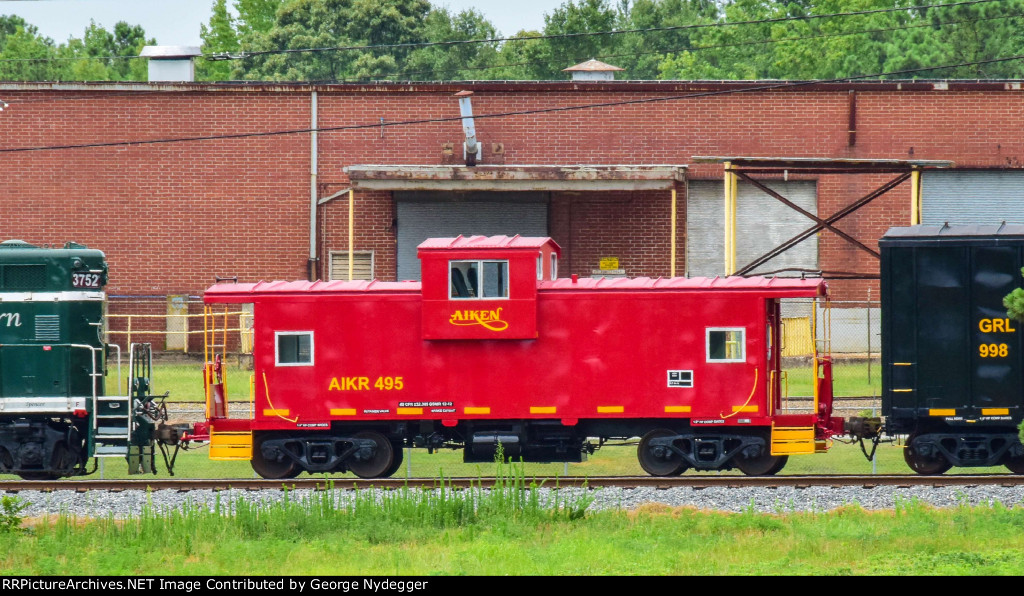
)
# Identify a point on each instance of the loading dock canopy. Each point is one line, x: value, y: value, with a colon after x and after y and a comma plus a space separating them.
x: 516, y: 178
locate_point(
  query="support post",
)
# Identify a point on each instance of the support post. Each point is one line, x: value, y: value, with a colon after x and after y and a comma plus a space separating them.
x: 351, y: 225
x: 915, y: 196
x: 728, y: 221
x: 672, y: 243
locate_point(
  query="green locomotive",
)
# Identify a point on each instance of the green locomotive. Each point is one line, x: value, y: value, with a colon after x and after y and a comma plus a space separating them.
x: 56, y: 412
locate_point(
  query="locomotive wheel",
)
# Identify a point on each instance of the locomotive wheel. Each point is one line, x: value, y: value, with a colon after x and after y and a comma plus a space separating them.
x: 1014, y: 464
x: 669, y: 463
x: 271, y: 470
x: 765, y: 464
x: 383, y: 461
x: 925, y: 466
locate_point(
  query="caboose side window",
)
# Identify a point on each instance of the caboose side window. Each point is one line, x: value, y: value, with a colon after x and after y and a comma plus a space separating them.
x: 293, y: 348
x: 726, y: 344
x: 478, y: 279
x: 554, y: 266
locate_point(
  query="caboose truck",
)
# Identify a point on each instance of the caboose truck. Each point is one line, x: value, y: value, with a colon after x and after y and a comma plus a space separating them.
x: 493, y: 353
x: 55, y: 412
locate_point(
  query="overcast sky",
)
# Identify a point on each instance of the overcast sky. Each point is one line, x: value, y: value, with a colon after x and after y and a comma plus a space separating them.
x: 176, y: 22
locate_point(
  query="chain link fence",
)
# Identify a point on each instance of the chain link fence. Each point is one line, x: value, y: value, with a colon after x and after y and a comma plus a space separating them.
x: 850, y: 331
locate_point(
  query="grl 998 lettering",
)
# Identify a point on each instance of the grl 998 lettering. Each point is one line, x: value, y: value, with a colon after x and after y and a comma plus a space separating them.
x: 993, y: 350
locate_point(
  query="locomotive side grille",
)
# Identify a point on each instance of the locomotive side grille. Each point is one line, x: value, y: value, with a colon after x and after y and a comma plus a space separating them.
x: 47, y: 327
x: 23, y: 277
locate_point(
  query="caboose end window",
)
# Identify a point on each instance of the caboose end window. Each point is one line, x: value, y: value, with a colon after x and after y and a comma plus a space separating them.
x: 478, y: 279
x: 293, y: 348
x: 726, y: 345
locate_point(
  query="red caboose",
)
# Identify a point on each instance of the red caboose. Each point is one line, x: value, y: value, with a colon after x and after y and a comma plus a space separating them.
x: 492, y: 348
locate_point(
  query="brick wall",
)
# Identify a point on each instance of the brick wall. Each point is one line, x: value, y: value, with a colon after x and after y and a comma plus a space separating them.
x: 171, y: 216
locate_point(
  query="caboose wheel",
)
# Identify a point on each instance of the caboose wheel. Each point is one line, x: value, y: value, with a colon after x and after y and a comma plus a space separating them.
x: 658, y: 460
x: 399, y: 458
x: 383, y: 460
x: 931, y: 465
x: 765, y: 464
x: 270, y: 469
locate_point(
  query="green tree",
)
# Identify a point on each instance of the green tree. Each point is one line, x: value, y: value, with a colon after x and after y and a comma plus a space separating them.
x: 25, y: 55
x: 459, y: 61
x: 219, y: 37
x: 332, y: 23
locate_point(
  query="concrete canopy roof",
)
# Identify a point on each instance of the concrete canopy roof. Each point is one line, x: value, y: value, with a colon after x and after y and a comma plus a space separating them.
x: 516, y: 178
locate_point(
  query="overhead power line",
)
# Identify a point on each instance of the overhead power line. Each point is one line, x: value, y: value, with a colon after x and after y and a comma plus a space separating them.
x: 407, y: 73
x: 766, y: 87
x: 414, y: 45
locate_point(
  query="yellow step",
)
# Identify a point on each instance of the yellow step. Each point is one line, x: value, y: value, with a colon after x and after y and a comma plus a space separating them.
x: 793, y: 440
x: 231, y: 446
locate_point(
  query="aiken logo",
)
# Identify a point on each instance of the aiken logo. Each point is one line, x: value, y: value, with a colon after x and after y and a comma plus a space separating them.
x: 490, y: 319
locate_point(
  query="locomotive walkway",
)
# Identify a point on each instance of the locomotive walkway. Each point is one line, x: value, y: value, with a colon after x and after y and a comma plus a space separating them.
x: 694, y: 481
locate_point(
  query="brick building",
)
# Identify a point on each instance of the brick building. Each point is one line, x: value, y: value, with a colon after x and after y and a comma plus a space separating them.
x: 253, y: 193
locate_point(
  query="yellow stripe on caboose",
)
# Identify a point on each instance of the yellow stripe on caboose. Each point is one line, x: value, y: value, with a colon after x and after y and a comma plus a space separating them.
x: 752, y: 409
x: 543, y: 409
x: 942, y: 412
x: 471, y: 410
x: 410, y: 411
x: 343, y: 411
x: 610, y: 409
x: 677, y: 409
x: 275, y: 412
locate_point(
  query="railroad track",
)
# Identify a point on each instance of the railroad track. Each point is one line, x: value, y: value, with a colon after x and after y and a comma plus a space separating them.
x: 872, y: 481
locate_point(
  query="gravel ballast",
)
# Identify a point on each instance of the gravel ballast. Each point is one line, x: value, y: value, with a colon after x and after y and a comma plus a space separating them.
x: 766, y: 500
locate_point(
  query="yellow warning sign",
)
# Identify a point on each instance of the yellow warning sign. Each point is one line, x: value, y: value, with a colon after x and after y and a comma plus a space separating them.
x: 609, y: 263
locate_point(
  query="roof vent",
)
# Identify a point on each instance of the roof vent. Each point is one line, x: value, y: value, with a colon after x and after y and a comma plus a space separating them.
x: 593, y: 70
x: 171, y: 63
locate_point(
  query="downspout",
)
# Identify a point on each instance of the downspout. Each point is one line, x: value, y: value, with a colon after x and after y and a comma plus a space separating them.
x: 314, y: 158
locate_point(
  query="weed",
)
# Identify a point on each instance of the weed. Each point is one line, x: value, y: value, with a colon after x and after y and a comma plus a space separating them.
x: 10, y: 513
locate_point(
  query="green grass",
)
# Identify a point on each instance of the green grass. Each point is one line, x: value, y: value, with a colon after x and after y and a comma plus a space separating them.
x: 510, y: 532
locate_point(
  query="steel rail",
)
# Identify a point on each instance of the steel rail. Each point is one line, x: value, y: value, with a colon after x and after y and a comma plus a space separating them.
x: 693, y: 481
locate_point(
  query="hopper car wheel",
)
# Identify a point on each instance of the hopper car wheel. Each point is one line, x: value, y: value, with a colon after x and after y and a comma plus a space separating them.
x: 383, y: 461
x: 1015, y: 464
x: 924, y: 465
x: 765, y: 464
x: 271, y: 470
x: 658, y: 463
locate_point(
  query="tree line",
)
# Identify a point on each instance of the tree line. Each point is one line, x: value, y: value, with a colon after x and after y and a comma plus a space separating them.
x: 406, y: 40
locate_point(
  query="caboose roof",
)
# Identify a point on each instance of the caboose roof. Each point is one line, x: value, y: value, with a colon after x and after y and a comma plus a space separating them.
x: 245, y: 292
x: 776, y: 286
x: 475, y: 242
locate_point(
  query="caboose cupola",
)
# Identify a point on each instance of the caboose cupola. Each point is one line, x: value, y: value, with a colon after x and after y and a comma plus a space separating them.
x: 484, y: 287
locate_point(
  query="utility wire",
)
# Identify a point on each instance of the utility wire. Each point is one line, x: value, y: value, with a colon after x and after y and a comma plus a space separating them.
x: 769, y: 87
x: 413, y: 45
x: 383, y: 77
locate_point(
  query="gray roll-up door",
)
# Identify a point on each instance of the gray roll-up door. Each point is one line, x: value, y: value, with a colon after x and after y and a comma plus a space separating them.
x: 446, y: 215
x: 979, y: 197
x: 762, y: 223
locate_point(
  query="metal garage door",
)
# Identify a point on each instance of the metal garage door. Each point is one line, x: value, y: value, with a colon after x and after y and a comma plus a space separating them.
x: 425, y: 215
x: 762, y: 223
x: 976, y: 197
